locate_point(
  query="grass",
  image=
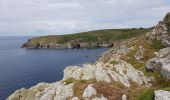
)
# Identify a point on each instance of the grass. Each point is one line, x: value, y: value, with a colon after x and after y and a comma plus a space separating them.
x: 113, y: 62
x: 91, y: 36
x: 157, y: 45
x: 68, y: 81
x: 147, y: 94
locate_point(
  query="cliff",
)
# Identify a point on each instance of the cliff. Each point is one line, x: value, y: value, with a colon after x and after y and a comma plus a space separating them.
x: 135, y: 69
x: 92, y: 39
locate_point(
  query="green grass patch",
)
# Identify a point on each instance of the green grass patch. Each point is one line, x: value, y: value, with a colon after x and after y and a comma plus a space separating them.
x: 113, y: 62
x: 83, y: 81
x: 105, y: 35
x: 148, y: 94
x: 68, y: 81
x: 157, y: 45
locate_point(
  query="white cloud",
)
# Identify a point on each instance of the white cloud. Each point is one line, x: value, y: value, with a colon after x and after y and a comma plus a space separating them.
x: 37, y: 17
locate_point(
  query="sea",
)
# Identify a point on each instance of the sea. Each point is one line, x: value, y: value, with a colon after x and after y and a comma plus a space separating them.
x: 23, y: 68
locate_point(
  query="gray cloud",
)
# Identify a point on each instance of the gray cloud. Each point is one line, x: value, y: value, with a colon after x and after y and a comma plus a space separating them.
x: 45, y: 17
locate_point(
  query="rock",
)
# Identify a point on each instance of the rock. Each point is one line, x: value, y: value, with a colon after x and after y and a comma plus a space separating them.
x: 75, y: 98
x: 163, y: 52
x: 124, y: 97
x: 63, y: 91
x: 161, y: 31
x: 44, y: 91
x: 88, y: 72
x: 139, y: 54
x: 101, y: 98
x: 101, y: 74
x: 154, y: 64
x: 124, y: 72
x: 160, y: 64
x: 72, y: 72
x: 162, y: 95
x: 167, y: 21
x: 89, y: 91
x: 166, y: 70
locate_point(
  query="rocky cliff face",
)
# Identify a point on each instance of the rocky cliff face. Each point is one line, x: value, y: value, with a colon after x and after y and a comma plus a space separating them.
x: 125, y: 72
x: 70, y: 45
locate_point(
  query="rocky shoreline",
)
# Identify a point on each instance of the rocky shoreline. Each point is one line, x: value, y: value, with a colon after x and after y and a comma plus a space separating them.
x: 71, y: 45
x: 133, y: 69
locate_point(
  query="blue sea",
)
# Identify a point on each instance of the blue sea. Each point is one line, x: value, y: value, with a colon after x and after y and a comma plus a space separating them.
x: 25, y: 68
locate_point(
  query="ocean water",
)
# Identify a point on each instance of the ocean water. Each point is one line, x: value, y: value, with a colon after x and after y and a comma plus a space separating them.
x: 25, y: 68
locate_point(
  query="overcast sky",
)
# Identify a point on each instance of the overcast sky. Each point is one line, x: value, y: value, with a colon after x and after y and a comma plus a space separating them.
x: 46, y: 17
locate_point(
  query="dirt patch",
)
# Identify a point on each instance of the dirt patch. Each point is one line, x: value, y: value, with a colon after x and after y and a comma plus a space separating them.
x: 110, y: 90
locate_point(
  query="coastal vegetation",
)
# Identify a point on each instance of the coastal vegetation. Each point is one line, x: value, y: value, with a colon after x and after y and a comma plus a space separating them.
x: 85, y: 39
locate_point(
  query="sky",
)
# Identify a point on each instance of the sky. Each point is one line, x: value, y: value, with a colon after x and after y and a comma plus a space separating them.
x: 54, y: 17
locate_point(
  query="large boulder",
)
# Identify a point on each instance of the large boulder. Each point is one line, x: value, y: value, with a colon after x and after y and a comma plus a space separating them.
x: 44, y: 91
x: 163, y: 52
x: 89, y: 92
x: 161, y: 62
x: 162, y: 95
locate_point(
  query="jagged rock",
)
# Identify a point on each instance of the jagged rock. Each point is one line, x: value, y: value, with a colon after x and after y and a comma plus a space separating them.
x: 154, y: 64
x: 139, y: 54
x: 75, y: 98
x: 167, y: 21
x: 101, y: 74
x: 163, y: 52
x: 162, y: 60
x: 72, y: 72
x: 101, y: 98
x: 44, y: 91
x: 161, y: 31
x: 124, y: 97
x: 166, y: 70
x: 160, y: 64
x: 88, y: 72
x: 121, y: 72
x: 162, y: 95
x: 89, y: 91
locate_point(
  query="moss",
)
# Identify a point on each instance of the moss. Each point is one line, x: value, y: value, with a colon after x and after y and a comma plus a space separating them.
x: 147, y: 94
x: 113, y: 62
x: 157, y: 45
x: 68, y: 81
x: 132, y: 60
x: 83, y: 81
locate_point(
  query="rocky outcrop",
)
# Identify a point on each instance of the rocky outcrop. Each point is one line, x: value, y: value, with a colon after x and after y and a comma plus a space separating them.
x: 31, y: 44
x: 120, y: 72
x: 161, y: 62
x: 89, y: 92
x: 117, y: 72
x: 102, y: 72
x: 162, y: 95
x: 161, y: 31
x: 139, y: 54
x: 44, y: 91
